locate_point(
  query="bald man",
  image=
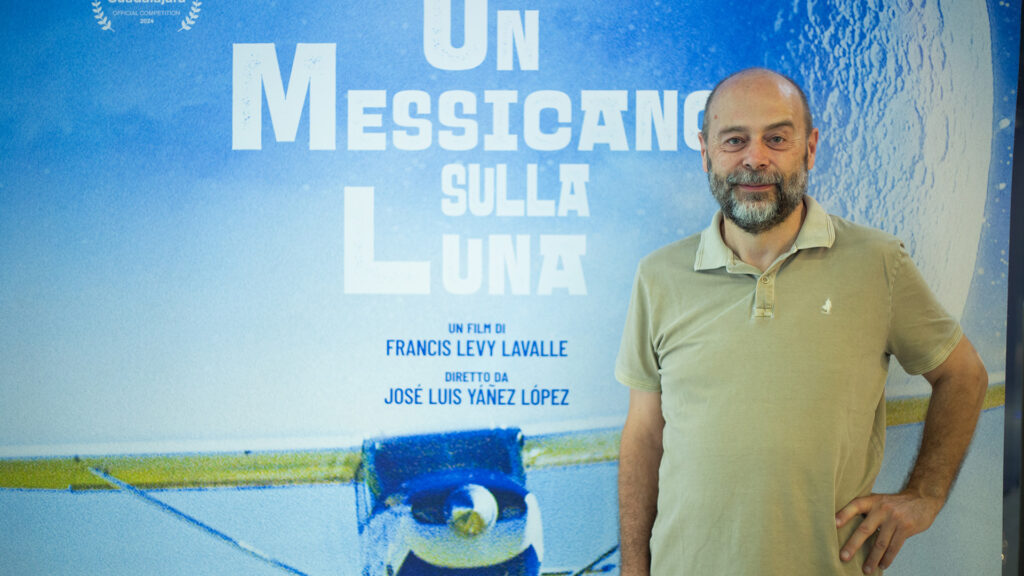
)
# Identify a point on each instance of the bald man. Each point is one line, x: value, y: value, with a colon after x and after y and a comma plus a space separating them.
x: 756, y: 353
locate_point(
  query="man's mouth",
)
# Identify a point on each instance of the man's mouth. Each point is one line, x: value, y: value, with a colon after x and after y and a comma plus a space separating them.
x: 754, y: 192
x: 755, y: 187
x: 754, y: 183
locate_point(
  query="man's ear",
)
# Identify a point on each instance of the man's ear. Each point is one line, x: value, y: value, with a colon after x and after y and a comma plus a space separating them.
x: 705, y: 160
x: 812, y: 147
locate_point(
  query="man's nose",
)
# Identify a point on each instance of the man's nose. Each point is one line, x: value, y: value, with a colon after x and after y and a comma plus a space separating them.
x: 756, y: 157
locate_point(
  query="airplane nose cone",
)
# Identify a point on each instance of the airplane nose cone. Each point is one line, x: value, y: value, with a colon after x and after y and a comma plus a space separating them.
x: 472, y: 510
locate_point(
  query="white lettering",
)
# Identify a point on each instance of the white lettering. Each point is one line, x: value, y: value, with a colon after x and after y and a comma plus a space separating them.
x: 359, y: 120
x: 663, y: 118
x: 449, y: 139
x: 606, y: 105
x: 421, y: 138
x: 514, y: 34
x: 437, y: 35
x: 255, y: 70
x: 573, y: 196
x: 481, y: 191
x: 453, y: 180
x: 693, y: 107
x: 465, y: 187
x: 535, y: 206
x: 364, y: 275
x: 454, y: 281
x: 502, y: 258
x: 533, y: 134
x: 500, y: 138
x: 567, y: 251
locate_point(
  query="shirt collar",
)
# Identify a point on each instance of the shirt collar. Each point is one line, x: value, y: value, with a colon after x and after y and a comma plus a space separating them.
x: 817, y: 231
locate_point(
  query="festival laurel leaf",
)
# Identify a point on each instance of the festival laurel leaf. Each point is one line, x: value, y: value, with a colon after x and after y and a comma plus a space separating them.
x: 193, y: 15
x: 101, y: 18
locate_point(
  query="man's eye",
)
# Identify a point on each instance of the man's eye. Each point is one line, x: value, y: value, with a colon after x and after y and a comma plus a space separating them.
x: 733, y: 142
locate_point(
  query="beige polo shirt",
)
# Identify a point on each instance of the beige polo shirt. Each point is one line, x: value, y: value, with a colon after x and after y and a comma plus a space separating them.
x: 772, y: 389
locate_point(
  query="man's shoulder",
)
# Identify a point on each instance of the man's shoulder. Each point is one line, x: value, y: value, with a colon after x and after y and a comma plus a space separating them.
x: 849, y: 235
x: 679, y: 254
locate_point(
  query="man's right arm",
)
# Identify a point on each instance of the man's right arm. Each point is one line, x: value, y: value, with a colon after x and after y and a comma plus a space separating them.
x: 639, y: 459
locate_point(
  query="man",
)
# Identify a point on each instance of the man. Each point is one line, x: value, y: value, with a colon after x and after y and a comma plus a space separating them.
x: 757, y: 353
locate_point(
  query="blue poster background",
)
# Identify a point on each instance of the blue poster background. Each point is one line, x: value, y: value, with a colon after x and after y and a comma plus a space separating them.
x: 164, y: 291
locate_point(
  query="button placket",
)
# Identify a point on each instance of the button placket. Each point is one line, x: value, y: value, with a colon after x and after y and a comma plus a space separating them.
x: 764, y: 296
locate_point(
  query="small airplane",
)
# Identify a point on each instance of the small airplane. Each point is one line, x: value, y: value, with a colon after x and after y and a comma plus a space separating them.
x: 452, y: 503
x: 448, y: 503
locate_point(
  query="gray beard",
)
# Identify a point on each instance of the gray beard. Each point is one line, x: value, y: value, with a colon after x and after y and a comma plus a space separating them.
x: 755, y: 218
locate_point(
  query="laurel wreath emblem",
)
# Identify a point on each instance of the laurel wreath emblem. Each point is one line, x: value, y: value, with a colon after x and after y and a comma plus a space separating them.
x: 101, y: 18
x: 193, y: 15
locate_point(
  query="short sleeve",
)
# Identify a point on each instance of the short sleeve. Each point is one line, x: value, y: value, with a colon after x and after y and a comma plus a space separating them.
x: 637, y: 364
x: 921, y: 333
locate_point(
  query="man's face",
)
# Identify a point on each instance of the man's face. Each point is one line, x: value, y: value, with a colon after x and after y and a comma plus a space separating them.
x: 767, y: 196
x: 758, y: 151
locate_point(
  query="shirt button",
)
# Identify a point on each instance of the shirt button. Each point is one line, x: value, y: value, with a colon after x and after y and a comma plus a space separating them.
x: 764, y: 279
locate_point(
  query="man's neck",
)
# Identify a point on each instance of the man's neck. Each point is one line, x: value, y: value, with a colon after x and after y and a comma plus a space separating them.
x: 761, y: 250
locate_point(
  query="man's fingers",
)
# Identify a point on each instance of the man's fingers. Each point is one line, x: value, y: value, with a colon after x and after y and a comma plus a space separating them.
x: 883, y: 540
x: 895, y: 517
x: 856, y: 507
x: 892, y: 551
x: 859, y: 536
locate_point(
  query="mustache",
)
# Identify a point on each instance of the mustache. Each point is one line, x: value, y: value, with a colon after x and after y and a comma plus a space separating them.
x: 754, y: 178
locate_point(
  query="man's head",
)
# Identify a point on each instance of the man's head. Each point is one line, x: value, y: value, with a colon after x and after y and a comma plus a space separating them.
x: 757, y: 144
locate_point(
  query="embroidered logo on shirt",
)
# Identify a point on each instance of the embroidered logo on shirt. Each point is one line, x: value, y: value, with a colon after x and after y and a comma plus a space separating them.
x: 826, y: 308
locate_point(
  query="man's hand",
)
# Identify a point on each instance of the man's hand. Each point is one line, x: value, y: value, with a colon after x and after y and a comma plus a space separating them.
x: 958, y: 391
x: 895, y: 517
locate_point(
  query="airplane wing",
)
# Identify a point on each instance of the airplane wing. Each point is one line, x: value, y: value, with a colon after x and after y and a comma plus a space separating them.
x: 264, y: 468
x: 601, y: 565
x: 278, y: 468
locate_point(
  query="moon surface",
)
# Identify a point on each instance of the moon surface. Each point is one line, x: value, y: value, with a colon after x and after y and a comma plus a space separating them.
x: 906, y: 94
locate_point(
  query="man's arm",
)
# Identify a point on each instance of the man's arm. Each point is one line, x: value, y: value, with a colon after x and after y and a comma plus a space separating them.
x: 639, y: 459
x: 958, y: 391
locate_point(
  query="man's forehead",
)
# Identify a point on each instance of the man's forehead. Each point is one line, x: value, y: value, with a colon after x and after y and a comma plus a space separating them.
x: 756, y: 99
